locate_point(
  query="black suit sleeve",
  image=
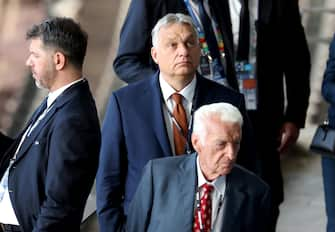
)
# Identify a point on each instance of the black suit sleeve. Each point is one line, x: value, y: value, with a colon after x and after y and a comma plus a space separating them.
x: 296, y: 66
x: 265, y: 212
x: 133, y: 60
x: 247, y: 156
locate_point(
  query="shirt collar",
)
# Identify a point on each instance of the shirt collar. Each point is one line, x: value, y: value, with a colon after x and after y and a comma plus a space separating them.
x: 187, y: 92
x: 219, y: 183
x: 53, y: 95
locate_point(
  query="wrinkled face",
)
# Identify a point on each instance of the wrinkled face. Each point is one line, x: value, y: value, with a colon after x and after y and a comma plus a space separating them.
x: 41, y: 63
x: 218, y: 147
x: 177, y: 52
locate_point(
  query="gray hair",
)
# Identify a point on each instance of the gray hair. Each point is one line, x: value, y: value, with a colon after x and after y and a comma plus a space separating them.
x: 171, y: 19
x: 225, y: 111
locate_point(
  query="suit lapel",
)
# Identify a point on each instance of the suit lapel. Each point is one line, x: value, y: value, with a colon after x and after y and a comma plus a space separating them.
x: 187, y: 183
x: 200, y: 98
x: 201, y: 92
x: 29, y: 140
x: 33, y: 118
x: 234, y: 199
x: 153, y: 99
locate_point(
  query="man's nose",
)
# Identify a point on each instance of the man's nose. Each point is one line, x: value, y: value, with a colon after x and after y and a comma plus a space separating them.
x: 183, y: 49
x: 28, y: 62
x: 231, y: 151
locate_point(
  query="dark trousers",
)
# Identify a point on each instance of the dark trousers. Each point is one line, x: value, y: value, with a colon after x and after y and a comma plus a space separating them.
x: 269, y: 163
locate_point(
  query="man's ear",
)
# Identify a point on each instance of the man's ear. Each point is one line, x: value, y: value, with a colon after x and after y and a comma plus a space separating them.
x: 59, y: 60
x: 196, y: 143
x: 154, y: 54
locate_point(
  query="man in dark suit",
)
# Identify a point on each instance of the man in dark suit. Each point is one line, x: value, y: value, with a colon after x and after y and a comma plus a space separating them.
x: 279, y: 55
x: 173, y: 191
x: 48, y: 170
x: 139, y: 122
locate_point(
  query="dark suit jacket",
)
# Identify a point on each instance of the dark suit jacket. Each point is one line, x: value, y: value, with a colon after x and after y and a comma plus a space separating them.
x: 164, y: 200
x: 56, y: 165
x: 134, y: 132
x: 328, y: 85
x: 281, y: 51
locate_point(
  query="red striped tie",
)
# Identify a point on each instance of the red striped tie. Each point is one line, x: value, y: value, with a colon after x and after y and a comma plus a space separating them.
x: 205, y: 210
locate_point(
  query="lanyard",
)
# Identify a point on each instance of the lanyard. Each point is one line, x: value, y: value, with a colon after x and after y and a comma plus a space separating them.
x: 190, y: 123
x: 199, y: 211
x: 202, y: 39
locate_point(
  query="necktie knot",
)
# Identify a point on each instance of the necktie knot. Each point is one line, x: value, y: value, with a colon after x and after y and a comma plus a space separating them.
x: 207, y: 188
x: 177, y: 98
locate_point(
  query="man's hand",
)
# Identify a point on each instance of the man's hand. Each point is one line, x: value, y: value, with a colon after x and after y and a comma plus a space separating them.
x: 289, y: 134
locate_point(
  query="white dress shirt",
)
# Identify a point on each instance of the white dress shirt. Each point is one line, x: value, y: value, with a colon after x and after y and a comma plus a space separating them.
x: 168, y: 104
x: 218, y: 195
x: 7, y: 214
x: 235, y: 10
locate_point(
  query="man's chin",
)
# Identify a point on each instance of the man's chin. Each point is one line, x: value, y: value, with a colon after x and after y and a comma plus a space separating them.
x: 189, y: 73
x: 185, y: 69
x: 39, y: 85
x: 226, y: 171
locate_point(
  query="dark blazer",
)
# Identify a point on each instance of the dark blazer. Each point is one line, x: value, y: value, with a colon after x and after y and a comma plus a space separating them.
x: 56, y: 165
x: 164, y: 200
x: 328, y: 85
x: 281, y: 52
x: 134, y: 132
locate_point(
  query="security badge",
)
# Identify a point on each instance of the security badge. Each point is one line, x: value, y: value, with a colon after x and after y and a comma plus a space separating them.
x: 205, y: 68
x: 245, y: 73
x: 212, y: 69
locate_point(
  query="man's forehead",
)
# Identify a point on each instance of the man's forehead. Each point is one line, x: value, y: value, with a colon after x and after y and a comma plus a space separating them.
x: 174, y: 29
x: 35, y: 43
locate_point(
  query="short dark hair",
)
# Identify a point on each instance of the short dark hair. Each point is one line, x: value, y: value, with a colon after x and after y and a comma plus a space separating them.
x: 64, y: 34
